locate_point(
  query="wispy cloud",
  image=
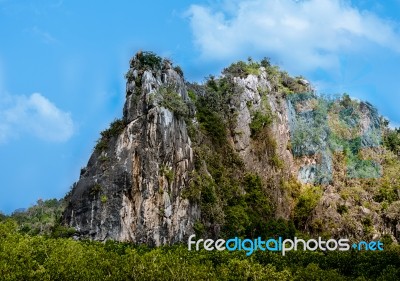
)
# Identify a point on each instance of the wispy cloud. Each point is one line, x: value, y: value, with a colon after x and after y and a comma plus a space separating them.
x: 33, y: 115
x: 57, y: 4
x: 44, y: 36
x: 310, y: 33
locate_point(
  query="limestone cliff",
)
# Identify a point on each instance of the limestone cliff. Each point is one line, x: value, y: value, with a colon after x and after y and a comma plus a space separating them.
x: 131, y: 187
x: 238, y: 155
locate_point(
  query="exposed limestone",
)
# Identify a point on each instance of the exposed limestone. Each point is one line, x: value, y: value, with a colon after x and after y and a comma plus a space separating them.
x: 135, y: 200
x: 133, y: 186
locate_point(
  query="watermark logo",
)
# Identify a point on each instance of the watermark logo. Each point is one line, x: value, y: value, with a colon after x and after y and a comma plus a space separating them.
x: 280, y: 245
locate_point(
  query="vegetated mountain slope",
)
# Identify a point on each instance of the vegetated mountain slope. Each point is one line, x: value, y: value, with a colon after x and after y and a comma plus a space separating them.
x: 253, y: 152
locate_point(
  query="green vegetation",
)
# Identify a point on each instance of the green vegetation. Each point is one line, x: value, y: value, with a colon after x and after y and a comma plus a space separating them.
x: 243, y: 69
x: 231, y: 199
x: 95, y: 189
x: 342, y: 209
x: 167, y: 97
x: 148, y: 61
x: 129, y: 76
x: 260, y: 121
x: 212, y: 124
x: 306, y: 203
x: 215, y: 110
x: 168, y: 173
x: 116, y: 128
x: 281, y: 81
x: 103, y: 159
x: 263, y: 140
x: 40, y: 218
x: 391, y: 140
x: 178, y: 70
x: 325, y: 126
x: 25, y: 257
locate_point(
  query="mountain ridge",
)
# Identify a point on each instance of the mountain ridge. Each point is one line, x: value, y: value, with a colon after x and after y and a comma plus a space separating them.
x: 244, y: 151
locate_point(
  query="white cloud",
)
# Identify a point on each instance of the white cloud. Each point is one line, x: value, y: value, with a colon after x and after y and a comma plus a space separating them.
x: 308, y: 33
x: 34, y: 115
x: 44, y: 36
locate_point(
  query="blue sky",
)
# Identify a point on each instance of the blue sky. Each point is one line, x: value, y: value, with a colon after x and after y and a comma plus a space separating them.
x: 62, y: 66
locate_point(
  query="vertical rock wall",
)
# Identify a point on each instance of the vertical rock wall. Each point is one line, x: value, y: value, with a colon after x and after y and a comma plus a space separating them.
x: 131, y: 190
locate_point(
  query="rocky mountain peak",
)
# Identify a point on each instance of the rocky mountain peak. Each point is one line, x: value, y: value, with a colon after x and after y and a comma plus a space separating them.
x: 131, y: 188
x: 244, y: 154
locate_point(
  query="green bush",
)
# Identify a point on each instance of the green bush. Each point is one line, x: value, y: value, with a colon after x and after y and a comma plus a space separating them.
x: 306, y: 203
x: 25, y: 257
x: 259, y: 207
x: 243, y: 69
x: 129, y: 76
x: 391, y: 140
x: 342, y: 209
x: 40, y: 218
x: 167, y: 97
x: 213, y: 124
x: 259, y: 121
x: 178, y: 70
x: 168, y: 173
x: 95, y: 189
x: 149, y: 60
x: 115, y: 129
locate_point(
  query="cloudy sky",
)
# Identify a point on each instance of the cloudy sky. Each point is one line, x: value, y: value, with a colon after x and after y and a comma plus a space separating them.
x: 62, y: 66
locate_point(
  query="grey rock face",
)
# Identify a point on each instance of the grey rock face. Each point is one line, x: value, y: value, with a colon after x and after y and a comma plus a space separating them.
x: 257, y: 95
x: 131, y: 190
x: 320, y: 127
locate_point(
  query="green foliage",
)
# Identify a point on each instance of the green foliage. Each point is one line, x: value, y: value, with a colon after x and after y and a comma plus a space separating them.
x: 149, y: 60
x: 192, y: 95
x: 325, y: 126
x: 290, y: 85
x: 391, y: 140
x: 229, y: 198
x: 259, y: 121
x: 95, y: 189
x: 243, y: 69
x: 387, y: 188
x: 259, y: 208
x: 265, y: 62
x: 178, y: 70
x: 280, y: 228
x: 116, y: 127
x: 216, y: 109
x: 213, y: 124
x: 234, y: 201
x: 387, y: 193
x: 168, y: 173
x: 168, y: 97
x: 221, y: 99
x: 342, y: 209
x: 2, y: 217
x: 264, y: 143
x: 129, y: 76
x: 103, y: 158
x: 292, y: 186
x: 103, y: 198
x: 199, y: 229
x: 101, y: 144
x: 306, y: 203
x: 61, y: 231
x: 24, y: 257
x: 40, y: 218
